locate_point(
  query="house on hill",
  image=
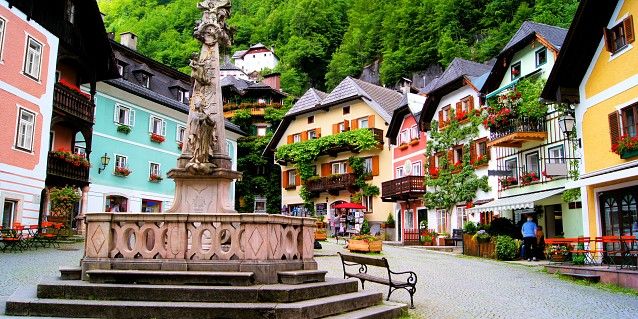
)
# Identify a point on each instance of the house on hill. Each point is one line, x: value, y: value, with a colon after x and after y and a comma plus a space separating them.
x: 257, y: 58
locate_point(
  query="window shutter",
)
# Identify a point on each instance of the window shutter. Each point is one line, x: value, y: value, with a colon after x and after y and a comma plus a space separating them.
x: 297, y: 178
x: 346, y: 125
x: 355, y: 124
x: 290, y: 139
x: 628, y: 24
x: 375, y: 165
x: 348, y: 168
x: 335, y: 128
x: 326, y: 169
x: 608, y: 38
x: 472, y: 152
x: 284, y: 179
x: 318, y: 132
x: 432, y: 160
x: 441, y: 118
x: 304, y: 135
x: 450, y: 157
x: 614, y: 128
x: 163, y: 128
x: 471, y: 102
x: 131, y: 118
x: 371, y: 121
x: 459, y: 107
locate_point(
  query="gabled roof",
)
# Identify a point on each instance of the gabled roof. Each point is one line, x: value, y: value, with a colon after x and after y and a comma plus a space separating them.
x: 578, y: 50
x: 239, y: 54
x: 241, y: 86
x: 227, y: 66
x: 311, y: 99
x: 386, y: 99
x: 554, y: 35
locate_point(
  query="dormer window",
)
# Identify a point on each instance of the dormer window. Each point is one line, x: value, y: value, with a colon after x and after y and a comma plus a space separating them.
x: 515, y: 71
x: 145, y: 80
x: 120, y: 67
x: 182, y: 95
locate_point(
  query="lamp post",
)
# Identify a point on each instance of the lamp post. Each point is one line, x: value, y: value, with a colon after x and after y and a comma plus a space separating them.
x: 566, y: 123
x: 104, y: 161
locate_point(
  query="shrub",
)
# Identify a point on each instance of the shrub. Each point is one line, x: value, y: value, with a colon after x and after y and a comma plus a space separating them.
x: 482, y: 236
x: 579, y: 259
x: 470, y: 227
x: 365, y: 227
x: 505, y: 248
x: 503, y: 226
x: 389, y: 222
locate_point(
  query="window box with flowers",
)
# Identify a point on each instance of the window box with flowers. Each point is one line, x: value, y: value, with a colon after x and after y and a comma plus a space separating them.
x: 480, y: 161
x: 77, y: 160
x: 458, y: 166
x: 180, y: 145
x: 75, y: 89
x: 155, y: 178
x: 528, y: 178
x: 122, y: 171
x: 124, y: 129
x: 558, y: 253
x: 508, y: 181
x: 414, y: 141
x: 433, y: 172
x: 157, y: 138
x: 627, y: 147
x: 403, y: 146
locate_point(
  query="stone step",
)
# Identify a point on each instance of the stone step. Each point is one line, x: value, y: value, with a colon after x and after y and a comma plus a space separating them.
x: 586, y: 277
x: 70, y: 273
x: 301, y: 276
x: 282, y: 293
x: 161, y: 277
x: 386, y: 310
x: 25, y: 303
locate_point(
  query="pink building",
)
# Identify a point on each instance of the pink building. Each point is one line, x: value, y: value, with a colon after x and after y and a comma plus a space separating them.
x: 27, y: 76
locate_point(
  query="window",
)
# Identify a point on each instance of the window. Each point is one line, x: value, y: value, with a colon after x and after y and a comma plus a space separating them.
x: 541, y: 57
x: 532, y: 163
x: 346, y: 110
x: 342, y: 127
x: 511, y: 165
x: 458, y: 154
x: 404, y: 137
x: 465, y: 104
x: 441, y: 221
x: 367, y: 202
x: 116, y: 203
x: 153, y: 169
x: 261, y: 131
x: 3, y: 25
x: 515, y: 71
x: 438, y: 159
x: 32, y: 59
x: 409, y: 219
x: 461, y: 217
x: 446, y: 113
x: 629, y: 116
x: 181, y: 131
x: 311, y: 119
x: 261, y: 101
x: 292, y: 178
x: 481, y: 148
x: 120, y: 67
x: 363, y: 122
x: 124, y: 115
x: 416, y: 169
x: 145, y: 80
x: 151, y: 206
x: 312, y: 134
x: 121, y: 161
x: 157, y: 126
x: 339, y: 168
x: 8, y: 213
x: 367, y: 165
x: 556, y: 154
x: 296, y: 138
x: 182, y: 95
x: 25, y: 130
x: 70, y: 11
x: 399, y: 172
x: 620, y: 35
x: 414, y: 132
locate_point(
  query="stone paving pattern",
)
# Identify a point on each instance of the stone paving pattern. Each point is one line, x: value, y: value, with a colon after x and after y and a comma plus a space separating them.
x: 449, y: 286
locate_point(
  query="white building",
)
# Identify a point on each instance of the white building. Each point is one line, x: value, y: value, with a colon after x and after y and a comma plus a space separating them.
x: 229, y: 69
x: 257, y: 58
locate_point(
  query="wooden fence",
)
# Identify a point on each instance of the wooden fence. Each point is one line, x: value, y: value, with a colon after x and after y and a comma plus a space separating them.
x: 473, y: 248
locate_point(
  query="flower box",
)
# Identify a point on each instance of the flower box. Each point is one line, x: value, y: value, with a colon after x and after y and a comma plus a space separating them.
x: 155, y: 178
x: 403, y: 146
x: 321, y: 234
x: 77, y: 160
x: 629, y: 154
x: 124, y: 129
x: 157, y: 138
x: 365, y: 243
x: 528, y: 178
x: 122, y: 171
x: 414, y: 141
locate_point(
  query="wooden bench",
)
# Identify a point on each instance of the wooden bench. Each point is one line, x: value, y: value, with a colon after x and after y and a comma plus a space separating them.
x: 409, y: 283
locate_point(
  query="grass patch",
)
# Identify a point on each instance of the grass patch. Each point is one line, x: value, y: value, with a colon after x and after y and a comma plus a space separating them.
x: 602, y: 286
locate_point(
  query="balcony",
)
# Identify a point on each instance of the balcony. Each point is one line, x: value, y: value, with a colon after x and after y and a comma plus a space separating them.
x: 517, y: 132
x: 71, y: 103
x: 334, y: 151
x: 62, y: 172
x: 404, y: 188
x: 331, y: 184
x: 255, y: 108
x: 253, y: 112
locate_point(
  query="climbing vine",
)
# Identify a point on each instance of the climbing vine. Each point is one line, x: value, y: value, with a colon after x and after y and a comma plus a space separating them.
x: 361, y: 177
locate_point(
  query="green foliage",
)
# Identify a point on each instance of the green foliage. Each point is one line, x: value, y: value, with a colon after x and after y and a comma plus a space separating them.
x: 506, y: 248
x: 389, y: 222
x: 530, y: 106
x: 63, y: 199
x: 243, y: 118
x: 124, y: 129
x: 365, y: 227
x: 571, y: 195
x: 470, y: 227
x: 482, y: 236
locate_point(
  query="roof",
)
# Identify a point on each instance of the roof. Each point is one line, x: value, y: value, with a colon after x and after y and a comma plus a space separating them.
x: 242, y: 86
x: 227, y: 66
x: 311, y: 99
x: 516, y: 202
x: 239, y: 54
x: 578, y: 50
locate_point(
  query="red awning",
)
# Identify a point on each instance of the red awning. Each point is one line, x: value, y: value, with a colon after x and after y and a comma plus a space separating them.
x: 350, y: 206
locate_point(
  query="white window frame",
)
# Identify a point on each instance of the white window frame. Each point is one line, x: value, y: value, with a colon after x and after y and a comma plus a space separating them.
x: 146, y: 80
x: 312, y: 134
x: 3, y: 28
x: 182, y: 95
x: 513, y: 169
x: 367, y: 201
x: 338, y: 168
x: 14, y: 212
x: 117, y: 163
x: 417, y: 167
x: 404, y: 137
x: 538, y: 162
x: 180, y: 133
x: 414, y: 132
x: 362, y: 120
x: 550, y: 156
x: 129, y: 116
x: 367, y: 165
x: 36, y: 59
x: 27, y: 129
x: 536, y: 54
x: 296, y: 138
x: 399, y: 172
x: 151, y: 171
x: 342, y: 127
x: 292, y: 177
x: 441, y: 220
x: 152, y: 126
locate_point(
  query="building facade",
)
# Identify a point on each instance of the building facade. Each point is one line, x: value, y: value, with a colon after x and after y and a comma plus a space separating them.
x: 352, y: 105
x: 592, y: 77
x: 140, y: 124
x: 256, y: 59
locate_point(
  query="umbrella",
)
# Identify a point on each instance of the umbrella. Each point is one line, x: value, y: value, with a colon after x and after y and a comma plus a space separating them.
x: 350, y: 206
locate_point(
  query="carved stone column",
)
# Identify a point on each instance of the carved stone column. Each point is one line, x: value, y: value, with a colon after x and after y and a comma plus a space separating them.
x: 84, y: 201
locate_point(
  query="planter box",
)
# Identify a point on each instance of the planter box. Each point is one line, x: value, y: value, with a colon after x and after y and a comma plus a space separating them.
x: 363, y: 246
x: 321, y: 236
x: 629, y: 154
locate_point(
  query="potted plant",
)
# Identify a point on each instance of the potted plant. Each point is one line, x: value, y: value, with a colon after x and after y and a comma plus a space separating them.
x: 403, y: 146
x: 426, y: 240
x: 321, y: 234
x: 157, y: 138
x: 124, y: 129
x: 414, y: 141
x: 482, y: 236
x: 121, y: 171
x: 365, y: 243
x: 155, y: 178
x: 626, y: 147
x: 440, y: 239
x: 528, y: 178
x: 508, y: 181
x: 480, y: 160
x: 180, y: 145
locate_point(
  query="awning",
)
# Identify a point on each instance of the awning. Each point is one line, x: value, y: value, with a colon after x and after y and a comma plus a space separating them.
x: 515, y: 202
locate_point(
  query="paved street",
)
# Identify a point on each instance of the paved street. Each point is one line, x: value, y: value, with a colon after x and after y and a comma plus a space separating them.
x: 449, y: 286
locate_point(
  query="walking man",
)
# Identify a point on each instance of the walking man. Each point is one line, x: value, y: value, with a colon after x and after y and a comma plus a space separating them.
x: 529, y: 238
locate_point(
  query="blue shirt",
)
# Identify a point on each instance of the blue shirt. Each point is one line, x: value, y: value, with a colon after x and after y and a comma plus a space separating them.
x: 529, y: 229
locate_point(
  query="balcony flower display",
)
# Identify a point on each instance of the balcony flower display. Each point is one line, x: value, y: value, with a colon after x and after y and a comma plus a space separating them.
x: 123, y: 128
x: 480, y: 160
x: 528, y: 178
x: 121, y: 171
x: 156, y: 178
x: 74, y: 88
x: 625, y: 144
x: 77, y: 160
x: 508, y: 181
x: 157, y: 138
x: 434, y: 171
x: 461, y: 115
x: 457, y: 166
x: 495, y: 117
x: 180, y: 145
x: 469, y: 204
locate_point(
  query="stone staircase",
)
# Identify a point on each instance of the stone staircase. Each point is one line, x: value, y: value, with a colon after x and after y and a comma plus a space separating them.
x: 183, y: 294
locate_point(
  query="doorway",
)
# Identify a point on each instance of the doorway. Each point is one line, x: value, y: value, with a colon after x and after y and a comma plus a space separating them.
x: 553, y: 221
x: 8, y: 213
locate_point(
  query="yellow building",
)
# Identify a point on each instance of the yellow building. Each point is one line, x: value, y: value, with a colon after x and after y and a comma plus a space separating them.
x: 597, y: 75
x: 352, y: 105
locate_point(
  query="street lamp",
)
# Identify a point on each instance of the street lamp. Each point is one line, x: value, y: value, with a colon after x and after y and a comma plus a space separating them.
x: 104, y: 160
x: 567, y: 123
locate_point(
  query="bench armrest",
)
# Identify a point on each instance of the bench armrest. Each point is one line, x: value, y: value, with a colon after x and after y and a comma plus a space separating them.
x: 411, y: 279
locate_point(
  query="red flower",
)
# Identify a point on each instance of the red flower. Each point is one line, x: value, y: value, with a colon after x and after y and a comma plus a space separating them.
x: 157, y: 138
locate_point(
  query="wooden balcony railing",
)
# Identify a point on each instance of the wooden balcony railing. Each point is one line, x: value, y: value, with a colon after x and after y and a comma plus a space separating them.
x: 331, y: 184
x: 518, y: 131
x: 74, y: 104
x: 253, y: 112
x: 408, y: 187
x: 61, y: 169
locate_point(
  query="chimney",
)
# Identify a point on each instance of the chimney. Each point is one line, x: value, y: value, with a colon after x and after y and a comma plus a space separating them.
x: 406, y: 85
x: 129, y: 40
x: 273, y: 80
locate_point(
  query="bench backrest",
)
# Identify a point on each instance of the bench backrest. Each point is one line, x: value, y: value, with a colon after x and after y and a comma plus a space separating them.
x: 362, y: 260
x: 457, y: 233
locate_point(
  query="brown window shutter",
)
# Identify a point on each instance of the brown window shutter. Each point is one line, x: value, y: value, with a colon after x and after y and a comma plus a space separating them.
x: 326, y: 169
x: 284, y: 179
x: 297, y: 178
x: 355, y: 124
x: 614, y: 128
x: 472, y: 152
x: 371, y: 121
x: 335, y: 128
x: 318, y: 132
x: 346, y: 125
x: 628, y: 24
x: 432, y: 160
x: 471, y: 102
x: 441, y: 118
x: 290, y: 139
x: 375, y: 165
x: 304, y: 135
x: 459, y: 106
x: 348, y: 168
x: 607, y: 37
x: 450, y: 157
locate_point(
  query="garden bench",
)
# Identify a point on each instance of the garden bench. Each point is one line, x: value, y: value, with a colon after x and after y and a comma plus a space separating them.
x: 409, y: 283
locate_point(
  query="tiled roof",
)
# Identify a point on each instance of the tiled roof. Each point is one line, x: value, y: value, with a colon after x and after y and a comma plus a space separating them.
x: 457, y: 68
x: 229, y: 67
x: 309, y: 100
x: 239, y: 54
x: 555, y: 35
x: 237, y: 83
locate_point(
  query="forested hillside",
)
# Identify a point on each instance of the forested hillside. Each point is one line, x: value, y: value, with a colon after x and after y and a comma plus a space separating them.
x: 320, y: 42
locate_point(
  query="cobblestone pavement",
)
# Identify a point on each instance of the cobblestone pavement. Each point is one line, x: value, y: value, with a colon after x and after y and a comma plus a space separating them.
x: 449, y: 286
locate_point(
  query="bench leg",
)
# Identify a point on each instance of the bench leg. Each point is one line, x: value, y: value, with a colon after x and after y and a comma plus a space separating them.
x: 362, y: 284
x: 412, y: 291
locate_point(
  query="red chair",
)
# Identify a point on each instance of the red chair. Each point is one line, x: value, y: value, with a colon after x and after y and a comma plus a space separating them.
x: 629, y: 248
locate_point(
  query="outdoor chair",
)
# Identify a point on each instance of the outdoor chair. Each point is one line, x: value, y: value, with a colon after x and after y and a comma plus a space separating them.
x: 457, y: 235
x: 11, y: 240
x: 629, y: 248
x: 50, y: 233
